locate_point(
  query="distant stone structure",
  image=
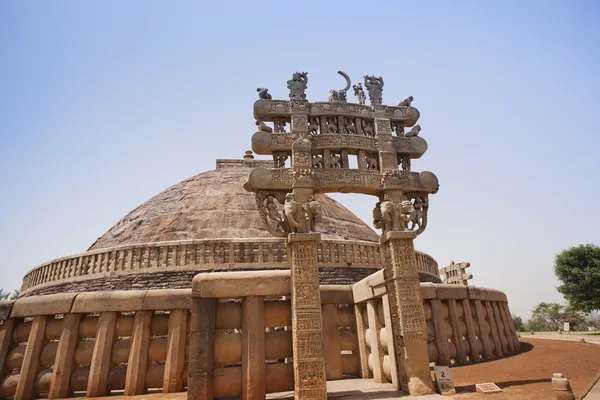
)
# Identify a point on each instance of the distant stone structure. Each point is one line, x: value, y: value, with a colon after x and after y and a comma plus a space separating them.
x: 248, y: 279
x: 456, y: 273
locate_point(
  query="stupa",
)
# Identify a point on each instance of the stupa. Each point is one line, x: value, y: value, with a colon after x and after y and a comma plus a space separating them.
x: 248, y: 279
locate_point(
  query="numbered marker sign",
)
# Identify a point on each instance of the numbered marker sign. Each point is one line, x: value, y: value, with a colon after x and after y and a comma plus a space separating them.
x: 444, y: 380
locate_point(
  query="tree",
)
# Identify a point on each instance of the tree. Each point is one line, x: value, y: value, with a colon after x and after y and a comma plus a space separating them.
x: 4, y: 295
x: 550, y: 317
x: 578, y: 269
x: 518, y: 321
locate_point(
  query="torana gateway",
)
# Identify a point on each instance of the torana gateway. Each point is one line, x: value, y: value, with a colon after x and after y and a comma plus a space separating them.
x: 249, y: 279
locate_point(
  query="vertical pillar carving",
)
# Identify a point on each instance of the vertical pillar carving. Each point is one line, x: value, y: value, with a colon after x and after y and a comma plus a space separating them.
x: 331, y: 339
x: 202, y: 348
x: 461, y: 355
x: 63, y: 366
x: 31, y: 359
x: 6, y: 334
x: 307, y: 333
x: 253, y: 349
x: 483, y: 331
x: 361, y: 332
x: 391, y: 351
x: 406, y: 306
x: 375, y: 342
x: 100, y: 365
x: 172, y: 380
x: 135, y: 380
x: 474, y: 355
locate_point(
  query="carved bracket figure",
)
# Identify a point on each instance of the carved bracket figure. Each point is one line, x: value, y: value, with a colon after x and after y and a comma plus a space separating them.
x: 339, y: 96
x: 359, y: 93
x: 409, y: 214
x: 374, y: 86
x: 313, y: 126
x: 263, y: 94
x: 263, y: 127
x: 294, y: 217
x: 414, y: 131
x: 297, y: 85
x: 406, y: 102
x: 279, y: 158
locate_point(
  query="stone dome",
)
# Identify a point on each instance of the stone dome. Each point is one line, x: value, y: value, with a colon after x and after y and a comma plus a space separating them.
x: 214, y: 205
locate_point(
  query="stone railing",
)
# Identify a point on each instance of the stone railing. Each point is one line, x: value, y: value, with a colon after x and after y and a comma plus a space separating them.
x: 214, y: 254
x: 259, y: 359
x: 66, y: 345
x: 464, y: 325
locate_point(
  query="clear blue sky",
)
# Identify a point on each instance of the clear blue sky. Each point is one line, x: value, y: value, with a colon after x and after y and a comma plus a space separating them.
x: 104, y: 104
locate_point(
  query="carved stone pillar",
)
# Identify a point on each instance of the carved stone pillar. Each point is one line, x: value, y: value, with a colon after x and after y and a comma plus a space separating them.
x: 388, y: 159
x: 362, y: 163
x: 307, y: 333
x: 407, y: 314
x: 345, y: 161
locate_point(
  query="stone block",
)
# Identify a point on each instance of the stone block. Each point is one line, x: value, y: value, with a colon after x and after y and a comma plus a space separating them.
x: 336, y: 294
x: 125, y: 300
x: 447, y: 291
x: 477, y: 293
x: 365, y: 289
x: 279, y: 377
x: 168, y: 299
x: 241, y: 284
x: 428, y: 290
x: 496, y: 295
x: 51, y: 304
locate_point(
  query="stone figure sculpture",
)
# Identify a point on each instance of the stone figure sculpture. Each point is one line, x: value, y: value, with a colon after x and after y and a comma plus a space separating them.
x: 298, y: 85
x: 263, y: 94
x: 405, y: 163
x: 359, y: 93
x: 398, y: 128
x: 349, y: 126
x: 292, y: 213
x: 339, y: 96
x: 279, y: 159
x: 371, y: 162
x: 317, y: 161
x: 313, y: 126
x: 388, y: 215
x: 336, y: 161
x: 406, y: 213
x: 263, y: 127
x: 332, y: 126
x: 272, y: 210
x: 377, y: 215
x: 406, y: 102
x: 312, y: 213
x: 414, y: 131
x: 368, y: 128
x: 279, y: 125
x: 374, y: 86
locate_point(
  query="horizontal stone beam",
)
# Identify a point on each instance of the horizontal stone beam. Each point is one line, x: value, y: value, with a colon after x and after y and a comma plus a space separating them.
x: 241, y: 284
x: 343, y: 180
x: 265, y: 143
x: 266, y: 110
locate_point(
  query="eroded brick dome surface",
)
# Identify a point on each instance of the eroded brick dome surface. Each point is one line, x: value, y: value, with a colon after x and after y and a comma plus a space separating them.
x: 212, y: 205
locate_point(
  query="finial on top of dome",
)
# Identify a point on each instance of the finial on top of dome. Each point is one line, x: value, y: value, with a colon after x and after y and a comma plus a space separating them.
x: 248, y: 155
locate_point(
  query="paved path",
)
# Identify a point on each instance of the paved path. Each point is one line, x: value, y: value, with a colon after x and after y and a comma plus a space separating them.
x: 573, y: 337
x: 594, y: 393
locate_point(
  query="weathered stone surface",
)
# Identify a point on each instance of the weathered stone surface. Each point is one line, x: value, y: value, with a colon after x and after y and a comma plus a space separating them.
x: 195, y: 209
x: 109, y: 301
x: 241, y: 284
x: 43, y: 305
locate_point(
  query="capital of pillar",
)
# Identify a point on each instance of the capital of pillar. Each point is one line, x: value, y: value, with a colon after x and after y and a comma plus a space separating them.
x: 406, y: 309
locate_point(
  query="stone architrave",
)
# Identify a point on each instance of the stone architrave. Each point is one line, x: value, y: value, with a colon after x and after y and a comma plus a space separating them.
x: 307, y: 329
x: 406, y: 307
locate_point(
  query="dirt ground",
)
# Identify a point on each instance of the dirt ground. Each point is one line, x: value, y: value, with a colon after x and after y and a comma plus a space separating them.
x: 527, y: 376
